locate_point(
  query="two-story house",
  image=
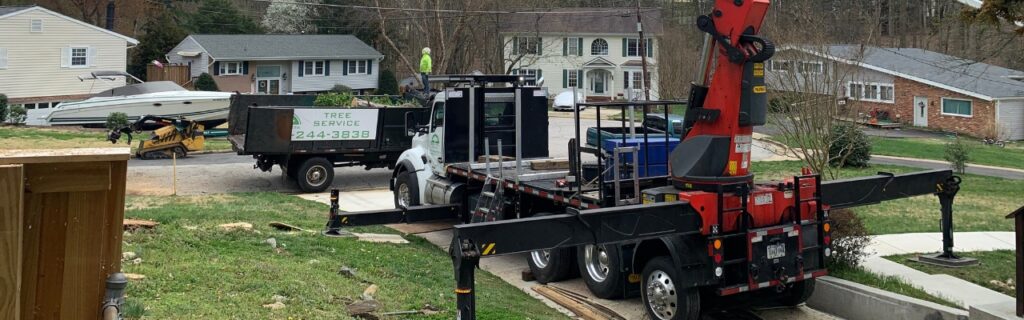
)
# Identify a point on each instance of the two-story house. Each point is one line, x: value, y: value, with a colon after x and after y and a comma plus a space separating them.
x: 42, y: 53
x: 280, y: 64
x: 913, y: 86
x: 595, y: 50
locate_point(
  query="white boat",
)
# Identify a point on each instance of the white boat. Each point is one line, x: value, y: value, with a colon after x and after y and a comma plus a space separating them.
x: 158, y: 98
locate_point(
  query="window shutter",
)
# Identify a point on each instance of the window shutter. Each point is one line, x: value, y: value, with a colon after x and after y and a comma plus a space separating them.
x: 565, y: 46
x: 579, y: 79
x: 369, y: 66
x: 216, y: 68
x: 3, y: 58
x: 344, y: 67
x: 245, y: 67
x: 540, y: 46
x: 92, y: 56
x: 515, y: 46
x: 650, y: 47
x: 625, y: 80
x: 540, y: 74
x: 65, y: 57
x: 579, y: 47
x: 302, y: 68
x: 327, y: 67
x: 565, y: 78
x: 624, y: 51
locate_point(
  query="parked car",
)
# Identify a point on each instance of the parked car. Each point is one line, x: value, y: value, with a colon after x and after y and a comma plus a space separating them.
x: 564, y: 101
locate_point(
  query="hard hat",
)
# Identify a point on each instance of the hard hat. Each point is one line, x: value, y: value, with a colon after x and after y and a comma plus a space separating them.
x: 426, y: 50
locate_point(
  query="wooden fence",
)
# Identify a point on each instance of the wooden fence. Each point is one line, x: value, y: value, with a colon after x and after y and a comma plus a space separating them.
x: 61, y: 214
x: 179, y: 74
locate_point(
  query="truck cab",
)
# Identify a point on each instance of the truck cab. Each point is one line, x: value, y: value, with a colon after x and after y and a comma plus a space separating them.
x: 478, y: 113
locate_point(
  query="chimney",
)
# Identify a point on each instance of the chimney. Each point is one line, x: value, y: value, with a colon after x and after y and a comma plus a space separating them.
x: 110, y: 15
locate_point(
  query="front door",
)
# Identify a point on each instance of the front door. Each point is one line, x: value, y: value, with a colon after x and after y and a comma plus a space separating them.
x: 268, y: 79
x: 599, y: 82
x: 921, y: 111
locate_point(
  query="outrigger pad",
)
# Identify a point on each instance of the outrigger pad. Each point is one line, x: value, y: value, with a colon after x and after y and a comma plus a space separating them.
x: 700, y: 157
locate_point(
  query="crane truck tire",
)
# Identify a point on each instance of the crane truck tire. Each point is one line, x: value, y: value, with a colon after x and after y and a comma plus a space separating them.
x: 600, y: 268
x: 552, y: 265
x: 315, y: 174
x: 664, y: 297
x: 407, y: 190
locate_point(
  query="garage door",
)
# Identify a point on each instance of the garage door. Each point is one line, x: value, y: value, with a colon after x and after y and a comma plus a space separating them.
x: 1011, y: 119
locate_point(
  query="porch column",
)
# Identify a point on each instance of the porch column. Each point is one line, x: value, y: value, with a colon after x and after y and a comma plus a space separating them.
x: 586, y: 86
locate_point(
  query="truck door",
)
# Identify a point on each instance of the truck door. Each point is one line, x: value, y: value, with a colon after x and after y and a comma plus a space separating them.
x: 436, y: 143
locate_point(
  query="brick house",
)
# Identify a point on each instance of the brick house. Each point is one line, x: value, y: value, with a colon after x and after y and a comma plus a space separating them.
x: 280, y: 63
x: 917, y: 87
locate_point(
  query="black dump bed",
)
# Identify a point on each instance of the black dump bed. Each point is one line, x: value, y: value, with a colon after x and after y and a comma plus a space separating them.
x: 260, y: 127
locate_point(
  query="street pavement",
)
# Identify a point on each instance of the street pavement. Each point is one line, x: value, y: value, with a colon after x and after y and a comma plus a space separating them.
x: 228, y: 172
x: 954, y: 289
x: 510, y: 267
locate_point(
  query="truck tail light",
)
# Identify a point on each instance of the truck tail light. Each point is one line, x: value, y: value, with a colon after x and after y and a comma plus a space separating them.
x: 717, y: 257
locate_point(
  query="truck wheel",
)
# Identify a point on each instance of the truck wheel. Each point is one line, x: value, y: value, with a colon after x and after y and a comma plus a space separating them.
x: 798, y: 293
x: 551, y: 265
x: 600, y: 269
x: 407, y: 190
x: 662, y: 295
x: 315, y: 175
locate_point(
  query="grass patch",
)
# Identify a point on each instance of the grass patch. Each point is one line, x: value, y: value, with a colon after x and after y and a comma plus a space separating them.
x: 674, y: 109
x: 196, y: 271
x: 22, y: 137
x: 994, y: 266
x: 981, y: 204
x: 1012, y: 156
x: 887, y: 283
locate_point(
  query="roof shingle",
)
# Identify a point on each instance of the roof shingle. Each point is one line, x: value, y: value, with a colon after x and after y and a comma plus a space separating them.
x: 981, y: 78
x: 263, y: 46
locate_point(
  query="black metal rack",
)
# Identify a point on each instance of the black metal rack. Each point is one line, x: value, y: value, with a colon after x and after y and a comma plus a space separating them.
x: 597, y: 150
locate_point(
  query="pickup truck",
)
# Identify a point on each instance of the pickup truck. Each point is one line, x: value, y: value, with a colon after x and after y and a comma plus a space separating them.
x: 308, y: 142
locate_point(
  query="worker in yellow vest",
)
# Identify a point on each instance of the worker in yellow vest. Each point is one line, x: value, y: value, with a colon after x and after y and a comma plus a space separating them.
x: 426, y: 66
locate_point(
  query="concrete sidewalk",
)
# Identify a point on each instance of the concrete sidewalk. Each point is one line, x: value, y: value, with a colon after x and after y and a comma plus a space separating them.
x: 954, y: 289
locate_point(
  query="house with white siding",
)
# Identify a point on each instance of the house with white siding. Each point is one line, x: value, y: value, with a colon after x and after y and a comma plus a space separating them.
x: 280, y: 64
x: 43, y: 52
x: 595, y: 50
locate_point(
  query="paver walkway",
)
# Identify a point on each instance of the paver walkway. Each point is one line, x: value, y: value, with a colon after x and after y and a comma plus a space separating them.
x: 954, y: 289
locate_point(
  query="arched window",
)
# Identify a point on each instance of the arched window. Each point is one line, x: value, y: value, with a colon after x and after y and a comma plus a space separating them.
x: 599, y: 47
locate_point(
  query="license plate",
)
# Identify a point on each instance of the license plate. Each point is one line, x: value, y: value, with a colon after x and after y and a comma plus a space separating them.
x: 776, y: 250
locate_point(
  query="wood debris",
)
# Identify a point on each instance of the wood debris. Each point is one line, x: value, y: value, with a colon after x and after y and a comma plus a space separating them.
x: 136, y: 224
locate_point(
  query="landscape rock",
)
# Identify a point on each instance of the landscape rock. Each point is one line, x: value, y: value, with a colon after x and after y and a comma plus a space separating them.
x: 272, y: 242
x: 370, y: 292
x: 244, y: 226
x: 128, y: 256
x: 136, y: 261
x: 274, y: 306
x: 347, y: 272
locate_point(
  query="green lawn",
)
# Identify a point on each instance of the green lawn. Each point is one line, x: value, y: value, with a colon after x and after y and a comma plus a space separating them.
x: 981, y: 205
x: 22, y: 137
x: 615, y: 114
x: 1012, y: 156
x: 196, y: 271
x: 995, y: 265
x: 887, y: 283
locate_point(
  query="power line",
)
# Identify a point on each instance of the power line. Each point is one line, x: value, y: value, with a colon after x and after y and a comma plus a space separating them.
x: 351, y: 6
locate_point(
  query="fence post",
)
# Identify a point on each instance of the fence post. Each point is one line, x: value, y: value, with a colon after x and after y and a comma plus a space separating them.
x: 1018, y: 215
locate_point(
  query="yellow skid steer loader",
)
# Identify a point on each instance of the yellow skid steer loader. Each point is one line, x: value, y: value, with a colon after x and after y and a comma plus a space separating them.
x: 174, y: 137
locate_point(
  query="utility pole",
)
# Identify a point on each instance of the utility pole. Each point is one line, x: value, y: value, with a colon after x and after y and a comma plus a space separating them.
x: 642, y: 46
